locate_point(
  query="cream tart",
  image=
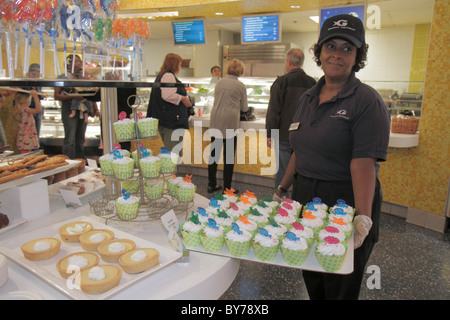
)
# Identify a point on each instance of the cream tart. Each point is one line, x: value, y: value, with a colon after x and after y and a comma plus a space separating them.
x: 139, y: 260
x: 71, y: 232
x: 110, y: 251
x: 78, y: 261
x: 41, y: 249
x: 100, y: 278
x: 92, y: 239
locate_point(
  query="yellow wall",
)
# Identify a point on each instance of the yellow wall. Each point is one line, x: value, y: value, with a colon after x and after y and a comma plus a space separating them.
x: 419, y: 57
x: 418, y: 177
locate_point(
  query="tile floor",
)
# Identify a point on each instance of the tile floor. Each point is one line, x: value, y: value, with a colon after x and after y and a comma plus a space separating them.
x: 414, y: 264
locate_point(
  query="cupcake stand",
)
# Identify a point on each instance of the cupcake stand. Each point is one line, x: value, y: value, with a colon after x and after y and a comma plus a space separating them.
x: 150, y: 209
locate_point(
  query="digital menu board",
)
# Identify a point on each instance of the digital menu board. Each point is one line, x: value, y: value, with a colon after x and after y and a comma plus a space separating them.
x: 262, y: 28
x: 189, y: 32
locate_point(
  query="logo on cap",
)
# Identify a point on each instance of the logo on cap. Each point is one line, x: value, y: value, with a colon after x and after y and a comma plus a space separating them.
x: 341, y: 23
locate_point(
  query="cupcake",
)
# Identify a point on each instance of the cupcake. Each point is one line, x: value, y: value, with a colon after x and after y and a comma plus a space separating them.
x: 213, y: 207
x: 301, y: 231
x: 122, y: 166
x: 124, y: 128
x: 274, y: 205
x: 234, y: 211
x: 339, y: 214
x: 260, y: 219
x: 203, y: 216
x: 238, y: 241
x: 106, y: 164
x: 142, y: 150
x: 330, y: 231
x: 147, y: 127
x: 186, y: 190
x: 172, y: 185
x: 127, y: 206
x: 330, y: 254
x: 130, y: 186
x: 169, y: 160
x: 224, y: 220
x: 246, y: 224
x: 345, y: 207
x: 316, y: 211
x: 265, y: 245
x: 312, y: 222
x: 283, y: 217
x: 150, y: 166
x: 275, y: 228
x: 191, y: 231
x: 295, y: 204
x: 230, y: 196
x: 339, y: 223
x: 294, y: 249
x: 213, y: 236
x: 244, y: 202
x: 222, y: 201
x: 251, y: 197
x: 318, y: 204
x: 154, y: 188
x: 263, y: 208
x: 289, y: 209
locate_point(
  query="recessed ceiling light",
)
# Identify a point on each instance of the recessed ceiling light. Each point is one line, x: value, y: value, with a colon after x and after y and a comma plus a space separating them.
x: 314, y: 18
x: 295, y: 7
x: 219, y: 13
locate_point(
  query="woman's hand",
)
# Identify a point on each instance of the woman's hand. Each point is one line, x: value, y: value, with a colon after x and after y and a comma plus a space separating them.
x: 186, y: 101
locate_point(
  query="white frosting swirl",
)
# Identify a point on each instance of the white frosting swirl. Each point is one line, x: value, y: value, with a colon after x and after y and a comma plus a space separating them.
x: 107, y: 157
x: 77, y: 261
x: 247, y: 226
x: 284, y: 219
x: 189, y: 226
x: 312, y: 223
x: 333, y: 232
x: 130, y: 200
x: 96, y: 273
x: 116, y: 247
x: 212, y: 232
x: 307, y: 233
x: 138, y: 255
x: 150, y: 159
x: 278, y: 231
x: 40, y: 246
x: 234, y: 236
x: 296, y: 245
x: 78, y: 228
x: 123, y: 160
x: 328, y: 249
x: 266, y: 241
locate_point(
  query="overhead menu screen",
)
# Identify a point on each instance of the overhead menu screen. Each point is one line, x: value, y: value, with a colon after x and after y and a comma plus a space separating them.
x: 189, y: 32
x: 264, y: 28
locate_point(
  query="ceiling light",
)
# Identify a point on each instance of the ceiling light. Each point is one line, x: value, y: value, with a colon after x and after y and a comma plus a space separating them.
x: 219, y: 13
x: 295, y: 7
x: 314, y: 18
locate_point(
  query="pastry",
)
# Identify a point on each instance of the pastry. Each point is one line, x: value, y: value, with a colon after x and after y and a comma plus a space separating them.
x: 4, y: 221
x: 71, y: 232
x: 139, y: 260
x: 92, y: 239
x: 41, y: 249
x: 99, y: 279
x: 110, y: 251
x: 76, y: 261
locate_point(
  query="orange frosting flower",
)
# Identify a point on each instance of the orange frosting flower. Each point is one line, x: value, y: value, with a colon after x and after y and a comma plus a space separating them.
x: 188, y: 178
x: 244, y: 219
x: 249, y: 194
x: 339, y: 221
x: 308, y: 215
x: 229, y: 192
x: 244, y: 199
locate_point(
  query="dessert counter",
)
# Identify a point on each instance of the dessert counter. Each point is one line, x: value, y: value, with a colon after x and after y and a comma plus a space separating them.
x: 197, y: 276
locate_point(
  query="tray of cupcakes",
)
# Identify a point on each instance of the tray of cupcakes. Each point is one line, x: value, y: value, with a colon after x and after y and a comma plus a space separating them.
x: 86, y: 259
x: 311, y: 236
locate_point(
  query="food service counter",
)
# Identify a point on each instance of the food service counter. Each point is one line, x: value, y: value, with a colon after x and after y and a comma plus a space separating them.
x: 202, y: 276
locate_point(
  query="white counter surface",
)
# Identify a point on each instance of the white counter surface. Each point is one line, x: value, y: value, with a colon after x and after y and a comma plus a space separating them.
x: 202, y: 277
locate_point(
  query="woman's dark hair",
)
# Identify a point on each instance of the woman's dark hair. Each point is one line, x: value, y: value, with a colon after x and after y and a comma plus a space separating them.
x: 360, y: 61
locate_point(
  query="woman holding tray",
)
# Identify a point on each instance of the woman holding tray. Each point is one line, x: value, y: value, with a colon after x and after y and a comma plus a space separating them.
x: 339, y: 133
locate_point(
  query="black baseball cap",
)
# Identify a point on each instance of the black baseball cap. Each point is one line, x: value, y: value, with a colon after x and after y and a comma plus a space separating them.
x: 344, y: 26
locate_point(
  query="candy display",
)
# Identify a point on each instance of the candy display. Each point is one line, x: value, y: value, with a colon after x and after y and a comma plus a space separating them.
x: 71, y: 25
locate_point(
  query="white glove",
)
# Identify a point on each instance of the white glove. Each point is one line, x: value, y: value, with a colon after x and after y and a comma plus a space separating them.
x: 277, y: 198
x: 361, y: 226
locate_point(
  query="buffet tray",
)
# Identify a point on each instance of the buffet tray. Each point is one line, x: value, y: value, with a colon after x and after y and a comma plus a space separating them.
x: 310, y: 263
x: 53, y: 189
x: 70, y: 164
x: 46, y: 270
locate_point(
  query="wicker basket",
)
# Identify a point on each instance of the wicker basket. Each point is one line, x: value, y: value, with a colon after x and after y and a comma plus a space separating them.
x: 404, y: 124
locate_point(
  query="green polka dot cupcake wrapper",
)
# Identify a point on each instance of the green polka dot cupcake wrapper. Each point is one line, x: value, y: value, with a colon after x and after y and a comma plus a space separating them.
x: 186, y: 194
x: 214, y: 244
x: 294, y: 257
x: 123, y: 170
x: 131, y: 186
x: 265, y: 253
x: 238, y: 249
x: 330, y: 263
x: 127, y: 211
x: 150, y: 169
x: 107, y: 168
x: 124, y: 131
x: 172, y: 189
x: 192, y: 239
x: 167, y: 165
x: 154, y: 192
x: 148, y: 128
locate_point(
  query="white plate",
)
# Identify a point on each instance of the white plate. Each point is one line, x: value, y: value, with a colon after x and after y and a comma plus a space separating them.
x: 21, y: 295
x: 13, y: 223
x: 33, y: 177
x: 46, y: 270
x: 53, y: 189
x: 310, y: 263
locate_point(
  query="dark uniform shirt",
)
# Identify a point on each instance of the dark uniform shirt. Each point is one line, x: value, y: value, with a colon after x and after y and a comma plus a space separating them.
x: 353, y: 124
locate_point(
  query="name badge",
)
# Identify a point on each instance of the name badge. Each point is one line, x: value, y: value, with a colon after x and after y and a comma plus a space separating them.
x: 294, y: 126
